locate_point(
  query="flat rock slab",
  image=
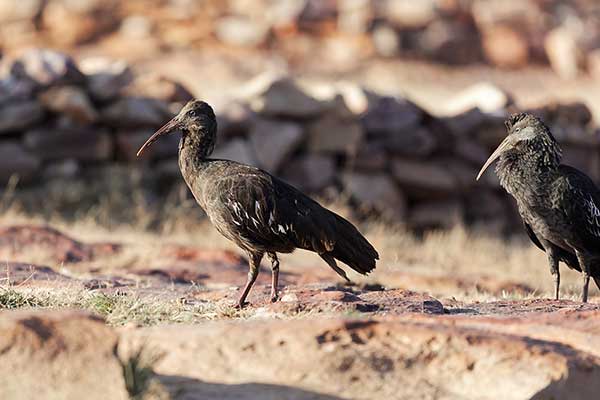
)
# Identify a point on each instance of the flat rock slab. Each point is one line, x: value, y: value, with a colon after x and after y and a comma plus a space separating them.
x: 406, y: 357
x: 58, y: 355
x: 329, y: 299
x: 17, y: 241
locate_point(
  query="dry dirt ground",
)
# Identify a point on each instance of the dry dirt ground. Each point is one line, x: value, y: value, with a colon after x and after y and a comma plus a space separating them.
x: 455, y: 315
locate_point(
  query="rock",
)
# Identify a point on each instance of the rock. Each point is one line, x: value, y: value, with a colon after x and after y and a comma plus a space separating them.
x: 134, y: 112
x: 68, y: 168
x: 583, y: 158
x: 284, y: 98
x: 69, y: 100
x: 386, y: 41
x: 274, y: 141
x: 15, y: 10
x: 354, y: 16
x: 129, y: 142
x: 27, y: 275
x: 136, y: 27
x: 235, y: 119
x: 70, y: 23
x: 484, y: 96
x: 413, y: 142
x: 408, y: 14
x: 237, y: 150
x: 420, y: 177
x: 15, y: 160
x: 391, y: 116
x: 593, y: 63
x: 413, y: 356
x: 159, y: 87
x: 14, y: 90
x: 436, y: 214
x: 240, y: 31
x: 561, y: 49
x: 471, y: 151
x: 17, y: 241
x: 84, y: 144
x: 48, y: 354
x: 463, y: 124
x: 378, y: 192
x: 505, y: 47
x: 46, y: 67
x: 372, y: 157
x: 105, y: 78
x: 311, y: 172
x: 449, y: 41
x: 334, y: 135
x: 17, y: 116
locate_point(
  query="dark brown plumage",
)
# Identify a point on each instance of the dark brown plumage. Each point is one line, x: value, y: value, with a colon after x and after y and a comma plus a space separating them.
x: 559, y: 204
x: 257, y: 211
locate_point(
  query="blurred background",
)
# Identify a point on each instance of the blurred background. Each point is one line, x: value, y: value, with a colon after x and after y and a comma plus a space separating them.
x: 386, y: 108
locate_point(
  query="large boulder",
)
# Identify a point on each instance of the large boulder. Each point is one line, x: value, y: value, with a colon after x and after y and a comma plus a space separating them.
x: 423, y: 178
x: 58, y: 355
x: 376, y: 191
x: 71, y: 101
x: 311, y: 172
x: 133, y: 112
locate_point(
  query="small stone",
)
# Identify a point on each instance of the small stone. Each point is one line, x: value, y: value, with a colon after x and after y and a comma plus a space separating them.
x: 62, y: 169
x: 311, y: 172
x: 20, y: 115
x: 46, y: 67
x: 241, y: 31
x: 377, y: 191
x: 14, y: 10
x: 15, y: 160
x: 372, y: 156
x: 390, y: 115
x: 136, y: 27
x: 423, y: 177
x: 14, y: 90
x: 505, y: 47
x: 334, y: 135
x: 289, y: 298
x: 409, y: 14
x: 69, y: 100
x: 413, y: 142
x: 561, y: 49
x: 274, y: 141
x: 135, y: 112
x: 235, y: 119
x: 436, y: 214
x: 236, y: 150
x: 82, y: 144
x: 386, y: 41
x: 159, y: 87
x: 284, y: 98
x: 484, y: 96
x: 105, y: 78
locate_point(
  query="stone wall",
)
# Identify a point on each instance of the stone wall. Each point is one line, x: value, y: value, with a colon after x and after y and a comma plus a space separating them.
x: 503, y: 33
x: 385, y: 156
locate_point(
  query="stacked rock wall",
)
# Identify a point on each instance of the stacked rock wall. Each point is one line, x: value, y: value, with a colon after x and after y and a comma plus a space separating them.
x: 385, y: 155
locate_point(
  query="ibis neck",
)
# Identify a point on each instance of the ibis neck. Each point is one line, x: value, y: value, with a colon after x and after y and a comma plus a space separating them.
x: 525, y: 173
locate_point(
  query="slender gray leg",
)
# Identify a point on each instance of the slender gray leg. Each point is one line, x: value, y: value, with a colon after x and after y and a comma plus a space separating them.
x: 274, y: 276
x: 585, y: 268
x: 553, y: 262
x: 254, y: 260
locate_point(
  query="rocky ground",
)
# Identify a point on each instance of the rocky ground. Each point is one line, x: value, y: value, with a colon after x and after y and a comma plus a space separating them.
x: 158, y: 321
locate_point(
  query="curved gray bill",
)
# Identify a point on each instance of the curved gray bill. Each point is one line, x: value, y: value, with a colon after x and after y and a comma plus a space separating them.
x: 164, y: 130
x: 506, y: 143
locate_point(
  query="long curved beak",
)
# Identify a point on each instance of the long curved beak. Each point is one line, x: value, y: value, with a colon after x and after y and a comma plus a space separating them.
x: 505, y: 145
x: 164, y: 130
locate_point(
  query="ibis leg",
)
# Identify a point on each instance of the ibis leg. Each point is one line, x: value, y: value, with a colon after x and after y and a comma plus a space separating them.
x: 553, y: 262
x: 585, y: 268
x: 274, y: 276
x: 254, y: 260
